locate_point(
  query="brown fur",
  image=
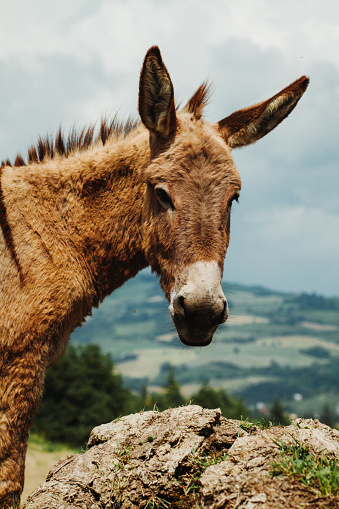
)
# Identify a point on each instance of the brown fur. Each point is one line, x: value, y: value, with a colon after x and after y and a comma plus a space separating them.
x: 87, y: 214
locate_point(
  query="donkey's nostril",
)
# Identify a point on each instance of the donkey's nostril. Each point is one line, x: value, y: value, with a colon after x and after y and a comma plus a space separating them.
x: 222, y: 317
x: 181, y: 303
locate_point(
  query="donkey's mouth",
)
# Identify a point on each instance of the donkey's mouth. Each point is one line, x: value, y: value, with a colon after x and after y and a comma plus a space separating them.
x: 192, y: 342
x: 193, y: 336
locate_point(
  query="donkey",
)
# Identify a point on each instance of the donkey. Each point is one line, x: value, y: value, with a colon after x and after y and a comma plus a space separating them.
x: 88, y: 213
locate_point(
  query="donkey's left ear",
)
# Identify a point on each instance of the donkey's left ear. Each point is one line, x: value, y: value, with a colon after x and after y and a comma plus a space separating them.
x: 156, y: 96
x: 250, y: 124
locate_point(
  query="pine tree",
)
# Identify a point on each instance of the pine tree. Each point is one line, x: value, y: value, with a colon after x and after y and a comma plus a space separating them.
x: 326, y: 416
x: 277, y: 415
x: 172, y: 390
x: 230, y: 406
x: 81, y: 391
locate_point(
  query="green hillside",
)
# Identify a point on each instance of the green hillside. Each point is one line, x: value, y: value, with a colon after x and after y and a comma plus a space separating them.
x: 274, y: 344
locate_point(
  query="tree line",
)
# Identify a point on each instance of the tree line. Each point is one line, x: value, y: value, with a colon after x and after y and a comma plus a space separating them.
x: 83, y: 390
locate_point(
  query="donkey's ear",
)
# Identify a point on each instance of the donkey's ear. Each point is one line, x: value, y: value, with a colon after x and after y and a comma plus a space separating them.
x: 250, y: 124
x: 156, y: 96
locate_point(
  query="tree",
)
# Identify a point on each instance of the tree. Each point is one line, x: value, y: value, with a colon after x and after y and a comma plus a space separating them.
x: 169, y: 397
x: 230, y: 406
x: 326, y: 416
x: 172, y: 390
x: 277, y: 415
x: 81, y: 391
x: 150, y: 400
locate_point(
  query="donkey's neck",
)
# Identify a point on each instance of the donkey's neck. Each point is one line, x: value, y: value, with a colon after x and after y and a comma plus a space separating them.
x: 110, y: 203
x: 87, y: 208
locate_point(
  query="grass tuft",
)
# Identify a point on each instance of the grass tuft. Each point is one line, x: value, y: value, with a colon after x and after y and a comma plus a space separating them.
x: 319, y: 474
x: 157, y: 503
x: 250, y: 426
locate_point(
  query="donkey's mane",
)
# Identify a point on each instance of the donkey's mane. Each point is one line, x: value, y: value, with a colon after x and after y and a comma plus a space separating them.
x: 199, y: 100
x: 62, y: 145
x: 49, y: 147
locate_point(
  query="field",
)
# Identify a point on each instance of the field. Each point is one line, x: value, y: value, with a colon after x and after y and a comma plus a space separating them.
x: 41, y: 456
x: 274, y: 344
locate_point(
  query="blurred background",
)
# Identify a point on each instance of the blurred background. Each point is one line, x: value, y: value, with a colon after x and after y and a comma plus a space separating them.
x: 68, y: 63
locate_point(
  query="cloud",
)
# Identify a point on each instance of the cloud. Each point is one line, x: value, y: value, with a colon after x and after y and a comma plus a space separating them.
x: 293, y: 248
x: 69, y: 63
x: 59, y: 93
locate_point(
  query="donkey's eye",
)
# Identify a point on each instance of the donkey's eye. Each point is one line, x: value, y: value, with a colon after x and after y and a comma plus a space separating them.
x: 164, y: 198
x: 235, y: 197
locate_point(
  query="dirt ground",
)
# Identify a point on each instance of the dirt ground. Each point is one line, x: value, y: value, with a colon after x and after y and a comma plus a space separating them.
x: 191, y: 457
x: 38, y: 463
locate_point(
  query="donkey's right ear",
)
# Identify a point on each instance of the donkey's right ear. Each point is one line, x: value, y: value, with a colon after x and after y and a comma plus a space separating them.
x: 156, y: 96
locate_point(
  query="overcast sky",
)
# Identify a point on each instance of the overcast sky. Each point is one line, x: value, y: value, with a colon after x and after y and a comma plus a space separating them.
x: 70, y: 62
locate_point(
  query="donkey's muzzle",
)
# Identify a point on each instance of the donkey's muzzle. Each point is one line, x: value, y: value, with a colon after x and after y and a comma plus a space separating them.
x: 198, y: 304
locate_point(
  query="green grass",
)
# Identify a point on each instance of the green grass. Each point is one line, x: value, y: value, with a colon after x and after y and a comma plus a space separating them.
x: 319, y: 474
x: 46, y: 446
x: 202, y: 462
x: 157, y: 503
x: 249, y: 426
x: 190, y: 484
x: 206, y: 460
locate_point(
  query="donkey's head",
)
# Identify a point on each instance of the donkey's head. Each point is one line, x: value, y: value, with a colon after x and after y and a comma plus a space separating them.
x: 191, y: 184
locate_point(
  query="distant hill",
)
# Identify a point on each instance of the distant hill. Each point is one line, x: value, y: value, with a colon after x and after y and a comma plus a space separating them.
x: 274, y: 344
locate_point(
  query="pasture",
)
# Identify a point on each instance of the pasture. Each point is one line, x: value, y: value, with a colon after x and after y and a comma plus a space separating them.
x: 268, y: 335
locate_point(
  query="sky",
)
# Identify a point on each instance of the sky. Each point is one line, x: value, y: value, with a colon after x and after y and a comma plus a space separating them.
x: 72, y: 61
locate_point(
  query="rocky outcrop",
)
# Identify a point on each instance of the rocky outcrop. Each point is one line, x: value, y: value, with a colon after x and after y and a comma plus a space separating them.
x: 186, y: 457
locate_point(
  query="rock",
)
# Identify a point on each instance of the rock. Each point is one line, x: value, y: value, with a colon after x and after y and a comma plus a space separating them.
x: 186, y: 457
